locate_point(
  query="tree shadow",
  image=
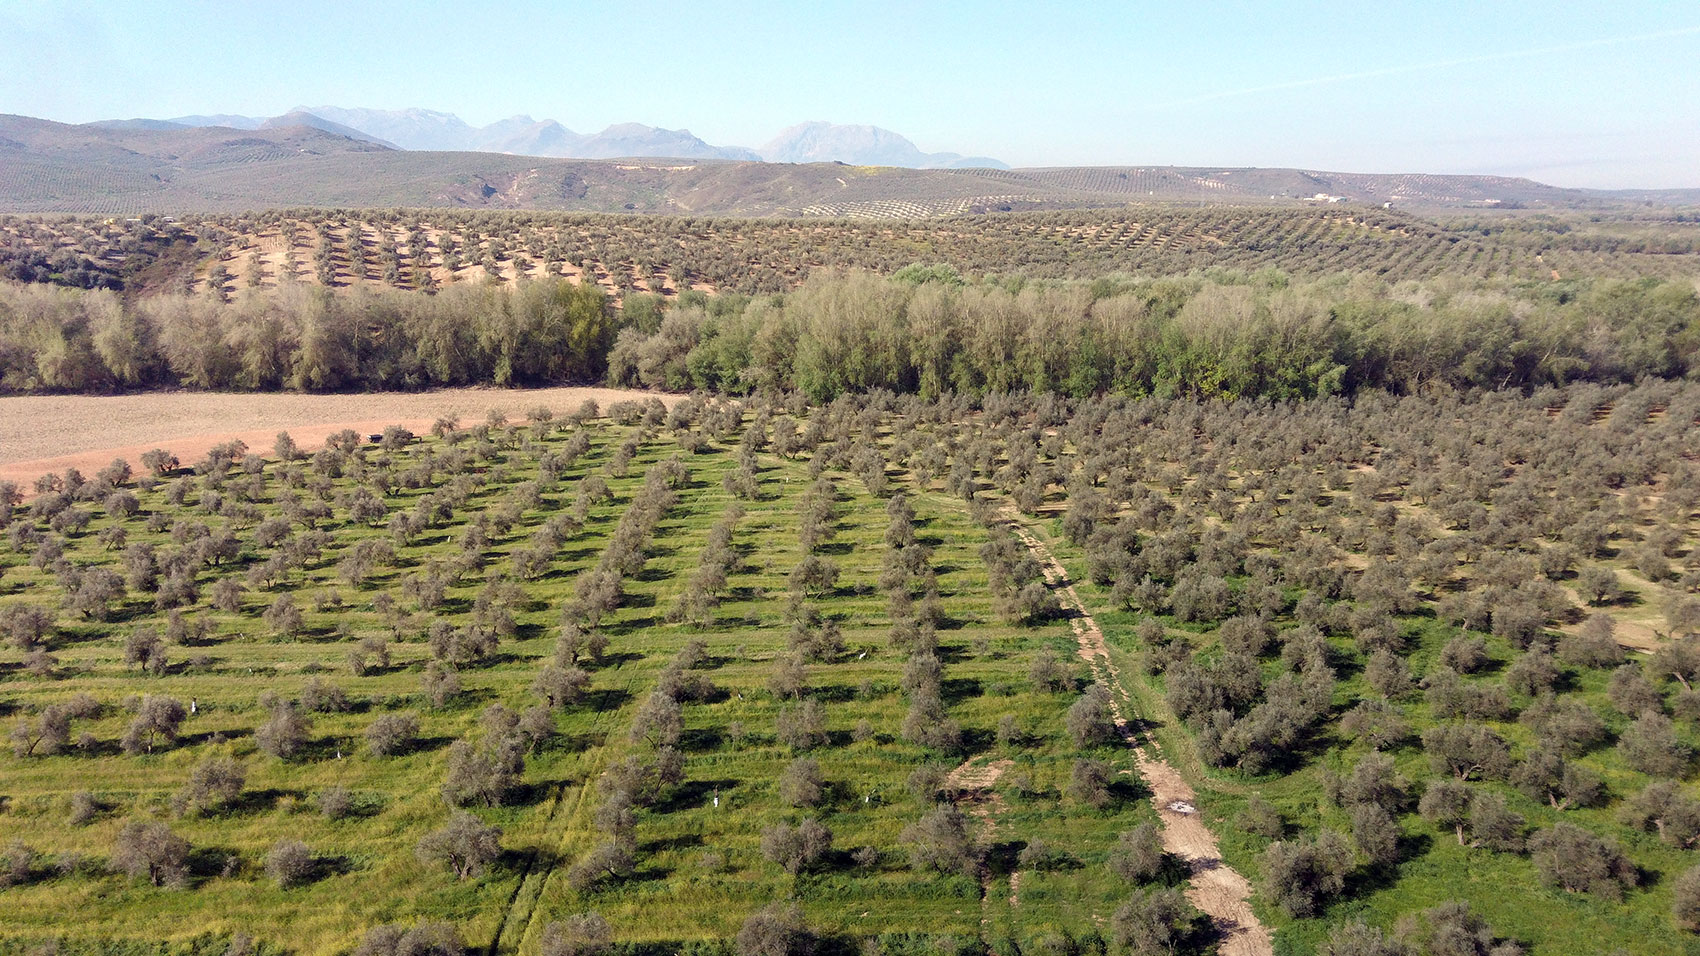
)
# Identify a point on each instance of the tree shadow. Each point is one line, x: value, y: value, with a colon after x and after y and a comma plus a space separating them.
x: 700, y: 739
x: 259, y: 800
x: 609, y: 660
x: 325, y: 867
x: 684, y: 841
x: 692, y: 794
x: 1127, y: 790
x: 956, y: 689
x: 206, y: 863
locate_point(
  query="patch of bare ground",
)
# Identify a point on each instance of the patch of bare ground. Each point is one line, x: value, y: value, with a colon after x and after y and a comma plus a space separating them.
x: 972, y: 783
x: 1214, y: 886
x: 49, y: 433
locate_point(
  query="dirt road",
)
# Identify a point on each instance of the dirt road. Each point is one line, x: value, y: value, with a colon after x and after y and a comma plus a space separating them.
x: 1214, y: 887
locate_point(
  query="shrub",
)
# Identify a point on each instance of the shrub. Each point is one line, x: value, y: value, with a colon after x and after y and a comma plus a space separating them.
x: 335, y: 802
x: 84, y: 808
x: 1048, y: 672
x: 1039, y: 855
x: 17, y: 864
x: 1260, y: 817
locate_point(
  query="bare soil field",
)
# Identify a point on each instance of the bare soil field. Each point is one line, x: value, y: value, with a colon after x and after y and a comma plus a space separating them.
x: 44, y: 433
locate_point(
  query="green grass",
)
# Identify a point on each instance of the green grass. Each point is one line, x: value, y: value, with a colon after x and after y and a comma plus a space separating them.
x: 1504, y: 889
x: 699, y: 867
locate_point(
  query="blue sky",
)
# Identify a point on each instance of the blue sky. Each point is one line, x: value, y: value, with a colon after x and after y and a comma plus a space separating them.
x: 1572, y: 93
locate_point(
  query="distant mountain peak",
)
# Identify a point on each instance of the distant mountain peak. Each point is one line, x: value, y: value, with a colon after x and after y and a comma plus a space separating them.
x: 303, y: 118
x: 415, y: 128
x: 818, y: 141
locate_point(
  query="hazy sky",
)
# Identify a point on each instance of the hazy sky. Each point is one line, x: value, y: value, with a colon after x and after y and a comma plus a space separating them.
x: 1572, y: 93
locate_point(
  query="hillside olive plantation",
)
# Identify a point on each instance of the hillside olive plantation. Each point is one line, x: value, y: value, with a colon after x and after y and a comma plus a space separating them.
x: 430, y: 249
x: 765, y: 675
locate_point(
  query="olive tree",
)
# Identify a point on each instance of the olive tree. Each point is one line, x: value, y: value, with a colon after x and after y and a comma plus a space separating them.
x: 1302, y: 875
x: 150, y: 850
x: 466, y: 845
x: 1576, y: 860
x: 290, y: 863
x: 796, y: 848
x: 940, y: 841
x: 581, y: 934
x: 1090, y: 720
x: 774, y: 930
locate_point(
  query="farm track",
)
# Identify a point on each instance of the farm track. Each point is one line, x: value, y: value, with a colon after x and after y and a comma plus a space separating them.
x: 522, y: 907
x: 1214, y: 886
x: 973, y: 784
x: 529, y: 906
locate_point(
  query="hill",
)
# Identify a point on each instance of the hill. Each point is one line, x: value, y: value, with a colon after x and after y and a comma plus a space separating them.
x: 375, y: 249
x: 304, y: 118
x: 864, y: 145
x: 420, y: 129
x: 136, y: 167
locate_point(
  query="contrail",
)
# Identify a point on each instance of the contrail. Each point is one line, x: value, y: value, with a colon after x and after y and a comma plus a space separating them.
x: 1419, y: 67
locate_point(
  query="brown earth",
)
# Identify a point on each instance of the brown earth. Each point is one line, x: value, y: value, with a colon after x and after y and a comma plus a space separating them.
x: 49, y: 433
x: 973, y: 784
x: 1214, y: 887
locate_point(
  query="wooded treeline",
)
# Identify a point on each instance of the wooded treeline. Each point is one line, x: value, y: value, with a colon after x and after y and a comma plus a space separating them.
x: 923, y: 330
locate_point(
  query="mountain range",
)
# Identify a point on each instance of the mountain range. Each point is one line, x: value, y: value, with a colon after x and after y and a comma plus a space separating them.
x: 304, y: 159
x: 421, y: 129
